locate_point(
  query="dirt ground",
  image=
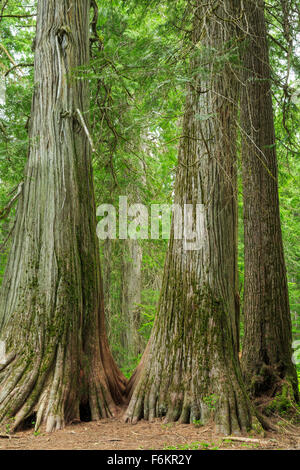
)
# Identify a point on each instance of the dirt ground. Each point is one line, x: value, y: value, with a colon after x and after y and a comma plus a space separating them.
x: 114, y: 434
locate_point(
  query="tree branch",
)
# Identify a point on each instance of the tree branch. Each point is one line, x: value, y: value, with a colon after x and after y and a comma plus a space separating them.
x: 278, y: 43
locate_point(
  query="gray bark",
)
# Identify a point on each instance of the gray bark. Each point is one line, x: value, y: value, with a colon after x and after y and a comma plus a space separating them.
x: 51, y: 301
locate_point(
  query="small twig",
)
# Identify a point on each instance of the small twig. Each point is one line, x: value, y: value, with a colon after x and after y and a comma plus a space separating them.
x: 86, y: 129
x: 18, y: 66
x: 2, y: 128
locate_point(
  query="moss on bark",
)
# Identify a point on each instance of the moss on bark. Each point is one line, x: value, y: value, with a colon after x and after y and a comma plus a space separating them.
x: 51, y: 300
x: 190, y: 368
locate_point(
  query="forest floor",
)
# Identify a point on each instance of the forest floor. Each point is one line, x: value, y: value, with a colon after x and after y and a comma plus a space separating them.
x: 114, y: 434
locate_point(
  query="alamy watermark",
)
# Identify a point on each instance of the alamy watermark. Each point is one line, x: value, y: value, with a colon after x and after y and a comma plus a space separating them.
x: 135, y: 221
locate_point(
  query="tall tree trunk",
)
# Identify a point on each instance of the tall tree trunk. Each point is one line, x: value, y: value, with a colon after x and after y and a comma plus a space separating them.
x: 190, y: 368
x: 131, y: 296
x: 267, y: 352
x: 107, y: 281
x: 51, y: 304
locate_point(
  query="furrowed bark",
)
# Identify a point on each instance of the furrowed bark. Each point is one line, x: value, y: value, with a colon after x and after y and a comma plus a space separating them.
x: 267, y: 352
x: 51, y: 301
x: 190, y: 368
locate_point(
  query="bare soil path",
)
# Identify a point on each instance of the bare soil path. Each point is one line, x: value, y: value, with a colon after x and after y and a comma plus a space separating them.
x: 114, y: 434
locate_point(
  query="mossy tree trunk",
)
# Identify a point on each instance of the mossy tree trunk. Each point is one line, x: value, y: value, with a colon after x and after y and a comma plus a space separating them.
x: 51, y: 303
x: 190, y: 368
x: 107, y: 250
x: 267, y: 352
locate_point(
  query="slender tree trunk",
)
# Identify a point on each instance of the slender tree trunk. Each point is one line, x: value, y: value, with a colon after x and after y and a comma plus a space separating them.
x: 190, y: 368
x: 132, y: 275
x: 107, y: 281
x: 267, y: 352
x: 51, y: 303
x: 131, y: 296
